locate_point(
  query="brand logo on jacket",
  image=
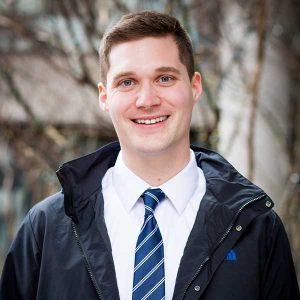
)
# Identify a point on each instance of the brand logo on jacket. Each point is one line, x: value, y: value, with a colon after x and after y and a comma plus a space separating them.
x: 231, y: 255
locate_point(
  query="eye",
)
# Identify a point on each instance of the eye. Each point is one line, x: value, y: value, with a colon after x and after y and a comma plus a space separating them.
x: 126, y: 82
x: 165, y: 79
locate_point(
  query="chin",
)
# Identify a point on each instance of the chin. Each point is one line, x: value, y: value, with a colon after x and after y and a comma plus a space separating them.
x: 152, y: 148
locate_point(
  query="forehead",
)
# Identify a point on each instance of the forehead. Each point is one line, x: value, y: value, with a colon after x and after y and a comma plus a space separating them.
x: 145, y: 53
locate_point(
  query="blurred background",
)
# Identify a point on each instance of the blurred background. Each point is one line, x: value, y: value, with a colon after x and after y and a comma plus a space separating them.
x: 248, y: 52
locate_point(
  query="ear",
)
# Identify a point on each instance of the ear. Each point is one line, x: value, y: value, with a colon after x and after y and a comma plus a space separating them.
x: 102, y: 97
x: 196, y: 86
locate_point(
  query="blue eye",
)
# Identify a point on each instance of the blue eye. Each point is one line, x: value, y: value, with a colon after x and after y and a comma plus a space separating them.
x: 127, y: 82
x: 165, y: 78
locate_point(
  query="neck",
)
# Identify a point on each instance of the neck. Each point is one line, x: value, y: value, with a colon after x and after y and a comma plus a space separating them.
x: 156, y: 169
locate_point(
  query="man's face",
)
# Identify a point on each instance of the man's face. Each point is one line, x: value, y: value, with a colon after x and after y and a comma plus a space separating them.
x: 149, y: 96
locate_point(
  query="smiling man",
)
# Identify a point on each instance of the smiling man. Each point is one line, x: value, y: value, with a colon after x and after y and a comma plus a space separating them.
x: 151, y: 105
x: 149, y: 217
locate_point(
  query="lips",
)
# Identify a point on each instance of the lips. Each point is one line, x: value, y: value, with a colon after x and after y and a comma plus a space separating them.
x: 150, y: 121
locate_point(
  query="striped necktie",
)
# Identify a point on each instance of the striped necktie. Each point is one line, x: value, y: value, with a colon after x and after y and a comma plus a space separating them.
x: 149, y: 271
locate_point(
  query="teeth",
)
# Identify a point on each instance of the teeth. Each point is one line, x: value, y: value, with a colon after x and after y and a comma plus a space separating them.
x: 151, y: 121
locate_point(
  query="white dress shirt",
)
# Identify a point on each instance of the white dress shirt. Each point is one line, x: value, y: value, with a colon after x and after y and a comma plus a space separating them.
x: 124, y: 216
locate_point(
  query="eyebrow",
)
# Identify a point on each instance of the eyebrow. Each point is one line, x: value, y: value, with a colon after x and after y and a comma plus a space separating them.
x: 167, y: 69
x: 164, y: 69
x: 121, y: 75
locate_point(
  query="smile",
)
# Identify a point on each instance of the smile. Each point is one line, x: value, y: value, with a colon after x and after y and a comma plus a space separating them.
x: 151, y: 121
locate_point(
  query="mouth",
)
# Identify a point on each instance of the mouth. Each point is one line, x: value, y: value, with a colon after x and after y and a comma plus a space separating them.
x: 150, y: 121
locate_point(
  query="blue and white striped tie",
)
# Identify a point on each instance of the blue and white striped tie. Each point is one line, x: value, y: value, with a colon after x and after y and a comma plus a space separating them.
x: 149, y: 271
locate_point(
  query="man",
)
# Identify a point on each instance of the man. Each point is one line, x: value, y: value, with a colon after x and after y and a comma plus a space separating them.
x: 155, y: 220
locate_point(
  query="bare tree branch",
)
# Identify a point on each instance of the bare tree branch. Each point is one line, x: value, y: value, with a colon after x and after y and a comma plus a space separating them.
x: 260, y: 56
x: 6, y: 74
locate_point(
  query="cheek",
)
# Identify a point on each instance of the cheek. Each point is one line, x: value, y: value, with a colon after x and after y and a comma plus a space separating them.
x: 118, y: 106
x: 180, y: 99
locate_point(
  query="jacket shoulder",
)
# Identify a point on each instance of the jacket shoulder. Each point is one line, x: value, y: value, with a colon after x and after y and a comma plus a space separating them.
x: 278, y: 267
x: 270, y: 222
x: 45, y: 217
x: 21, y: 269
x: 51, y: 207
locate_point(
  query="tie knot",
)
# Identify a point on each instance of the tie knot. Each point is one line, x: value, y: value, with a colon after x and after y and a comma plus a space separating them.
x: 151, y: 198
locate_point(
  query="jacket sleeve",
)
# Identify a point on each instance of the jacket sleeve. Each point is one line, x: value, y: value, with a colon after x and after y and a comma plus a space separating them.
x: 279, y: 276
x: 19, y: 279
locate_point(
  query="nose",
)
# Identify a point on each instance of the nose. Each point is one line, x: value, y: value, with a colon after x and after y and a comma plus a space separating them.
x: 147, y: 96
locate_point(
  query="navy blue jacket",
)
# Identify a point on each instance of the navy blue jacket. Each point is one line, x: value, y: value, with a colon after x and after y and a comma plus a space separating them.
x: 237, y: 249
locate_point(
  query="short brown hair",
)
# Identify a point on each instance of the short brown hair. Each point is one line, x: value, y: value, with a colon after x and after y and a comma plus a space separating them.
x: 139, y: 25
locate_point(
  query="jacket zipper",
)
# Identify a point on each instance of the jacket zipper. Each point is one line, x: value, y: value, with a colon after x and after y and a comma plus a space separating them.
x: 86, y: 262
x: 222, y: 239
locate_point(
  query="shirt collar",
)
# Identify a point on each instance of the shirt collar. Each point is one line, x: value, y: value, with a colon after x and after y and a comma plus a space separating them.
x: 179, y: 189
x: 129, y: 187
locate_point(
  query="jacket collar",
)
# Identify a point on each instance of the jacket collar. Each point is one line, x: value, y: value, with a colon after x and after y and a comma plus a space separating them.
x: 82, y: 177
x: 229, y: 187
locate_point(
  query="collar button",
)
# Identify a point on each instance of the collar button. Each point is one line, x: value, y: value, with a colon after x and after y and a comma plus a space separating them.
x: 197, y: 288
x: 238, y: 228
x: 268, y: 204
